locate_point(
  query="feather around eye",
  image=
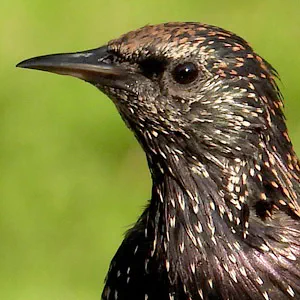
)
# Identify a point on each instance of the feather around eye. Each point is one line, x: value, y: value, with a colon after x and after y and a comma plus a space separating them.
x: 152, y: 67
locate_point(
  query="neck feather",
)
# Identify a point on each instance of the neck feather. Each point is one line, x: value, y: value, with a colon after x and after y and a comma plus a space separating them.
x: 205, y: 209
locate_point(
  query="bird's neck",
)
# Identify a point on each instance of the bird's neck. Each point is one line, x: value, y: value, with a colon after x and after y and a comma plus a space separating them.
x: 195, y: 202
x: 205, y: 206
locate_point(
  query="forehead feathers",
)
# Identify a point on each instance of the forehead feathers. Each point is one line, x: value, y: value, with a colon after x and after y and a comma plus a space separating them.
x: 220, y: 51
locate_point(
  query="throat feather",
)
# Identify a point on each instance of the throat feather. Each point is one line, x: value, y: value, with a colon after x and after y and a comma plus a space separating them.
x: 207, y: 213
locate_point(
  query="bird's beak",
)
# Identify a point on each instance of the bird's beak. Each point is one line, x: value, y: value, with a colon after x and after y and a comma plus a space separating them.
x: 92, y: 65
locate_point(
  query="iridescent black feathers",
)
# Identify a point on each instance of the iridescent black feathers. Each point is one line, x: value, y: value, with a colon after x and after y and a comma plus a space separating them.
x: 223, y: 219
x: 224, y: 213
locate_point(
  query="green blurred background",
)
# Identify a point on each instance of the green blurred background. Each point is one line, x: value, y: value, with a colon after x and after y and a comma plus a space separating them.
x: 72, y: 176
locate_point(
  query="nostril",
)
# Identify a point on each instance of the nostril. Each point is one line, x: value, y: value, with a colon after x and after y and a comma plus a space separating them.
x: 109, y: 59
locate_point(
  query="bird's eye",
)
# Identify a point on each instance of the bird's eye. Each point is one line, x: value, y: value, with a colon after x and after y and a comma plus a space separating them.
x: 185, y: 73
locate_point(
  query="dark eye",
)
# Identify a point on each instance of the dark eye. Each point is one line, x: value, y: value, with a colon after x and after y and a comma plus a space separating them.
x: 185, y: 73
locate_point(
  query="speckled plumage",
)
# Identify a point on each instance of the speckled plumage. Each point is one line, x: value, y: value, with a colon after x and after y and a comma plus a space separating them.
x: 223, y: 219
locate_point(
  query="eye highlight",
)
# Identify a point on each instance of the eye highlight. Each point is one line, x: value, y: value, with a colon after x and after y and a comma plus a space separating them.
x: 185, y: 73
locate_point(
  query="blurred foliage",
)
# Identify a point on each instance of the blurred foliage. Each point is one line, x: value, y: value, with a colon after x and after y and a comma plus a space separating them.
x: 72, y: 176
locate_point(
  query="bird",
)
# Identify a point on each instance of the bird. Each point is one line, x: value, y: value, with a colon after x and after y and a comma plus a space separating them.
x: 223, y: 221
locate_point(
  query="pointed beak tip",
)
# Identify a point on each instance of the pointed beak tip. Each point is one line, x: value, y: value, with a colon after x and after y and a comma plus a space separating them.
x: 26, y: 64
x: 22, y: 64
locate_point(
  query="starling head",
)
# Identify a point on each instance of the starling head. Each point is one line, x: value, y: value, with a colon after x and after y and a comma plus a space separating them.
x: 223, y: 220
x: 189, y: 80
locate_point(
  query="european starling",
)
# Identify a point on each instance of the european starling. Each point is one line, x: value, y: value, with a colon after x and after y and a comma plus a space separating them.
x: 223, y: 219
